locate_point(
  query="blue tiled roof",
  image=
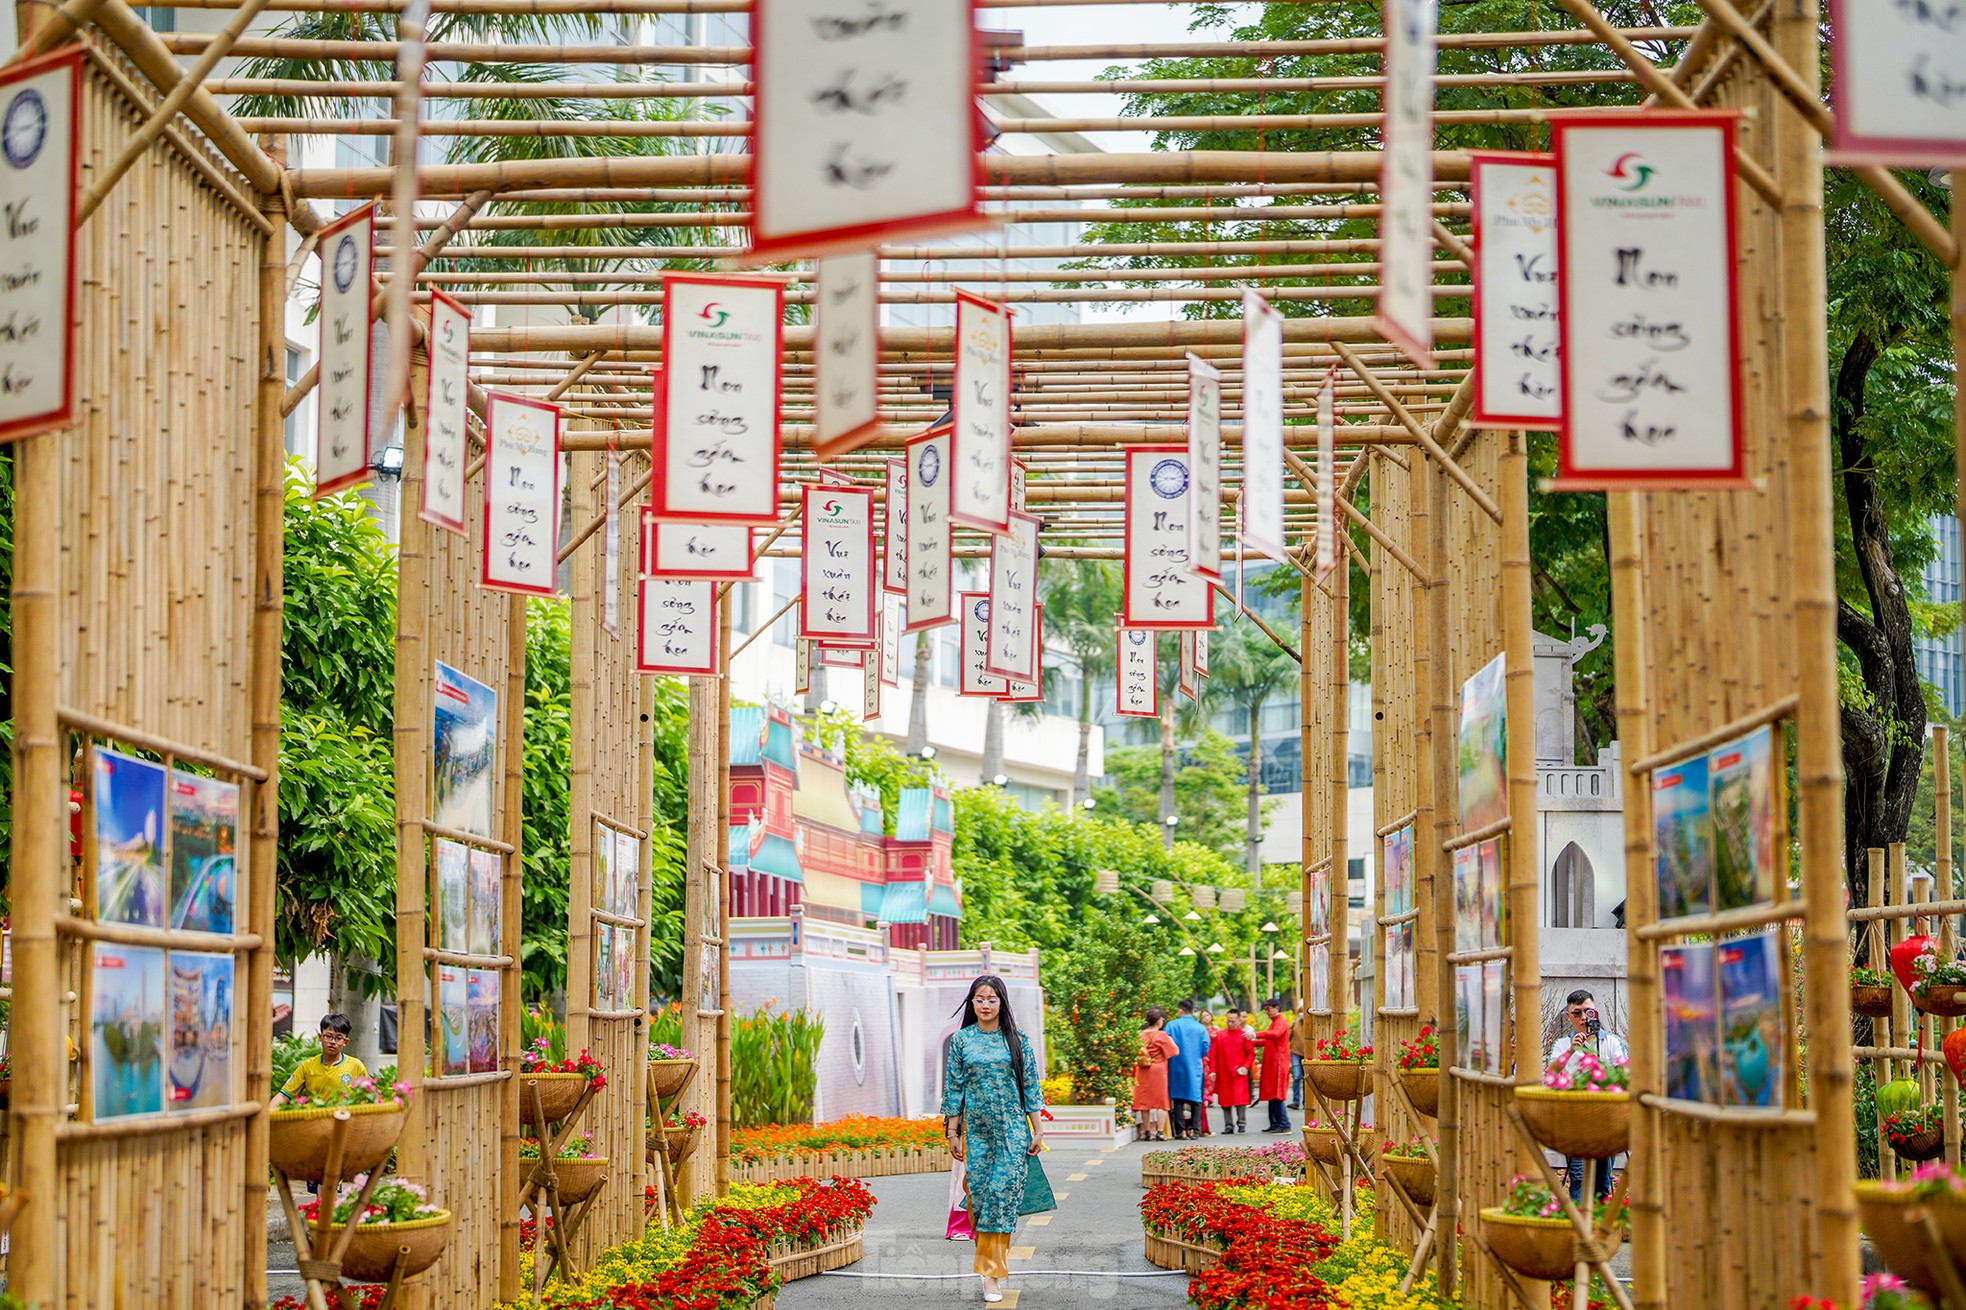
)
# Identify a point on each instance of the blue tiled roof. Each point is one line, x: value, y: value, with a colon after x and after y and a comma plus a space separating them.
x: 777, y: 857
x: 922, y: 813
x: 942, y: 901
x: 873, y: 896
x: 904, y: 903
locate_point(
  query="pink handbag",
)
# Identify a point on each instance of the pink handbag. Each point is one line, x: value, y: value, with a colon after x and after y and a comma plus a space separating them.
x: 959, y: 1229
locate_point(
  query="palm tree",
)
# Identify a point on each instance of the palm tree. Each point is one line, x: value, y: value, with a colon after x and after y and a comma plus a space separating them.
x: 1189, y: 717
x: 1080, y: 599
x: 1249, y: 669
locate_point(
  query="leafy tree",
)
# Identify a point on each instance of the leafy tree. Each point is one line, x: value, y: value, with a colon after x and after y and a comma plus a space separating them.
x: 1094, y: 996
x: 1208, y: 783
x: 1080, y: 599
x: 871, y: 761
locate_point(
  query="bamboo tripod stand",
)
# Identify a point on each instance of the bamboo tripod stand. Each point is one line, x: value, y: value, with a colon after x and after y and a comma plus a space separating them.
x: 322, y: 1274
x: 557, y: 1224
x: 666, y: 1202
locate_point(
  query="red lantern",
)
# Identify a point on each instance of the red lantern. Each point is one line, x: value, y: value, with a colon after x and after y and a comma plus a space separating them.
x: 1905, y: 954
x: 1954, y: 1047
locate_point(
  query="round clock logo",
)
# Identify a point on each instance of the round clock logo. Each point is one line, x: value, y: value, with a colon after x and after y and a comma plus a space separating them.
x: 1137, y: 636
x: 1168, y: 479
x: 345, y: 257
x: 981, y: 610
x: 929, y: 467
x: 24, y: 128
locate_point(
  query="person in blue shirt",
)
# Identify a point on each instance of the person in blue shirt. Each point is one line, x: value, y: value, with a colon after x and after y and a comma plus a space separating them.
x: 1184, y: 1071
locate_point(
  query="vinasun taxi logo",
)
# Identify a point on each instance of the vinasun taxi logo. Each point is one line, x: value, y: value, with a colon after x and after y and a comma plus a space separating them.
x: 1633, y: 179
x: 712, y: 326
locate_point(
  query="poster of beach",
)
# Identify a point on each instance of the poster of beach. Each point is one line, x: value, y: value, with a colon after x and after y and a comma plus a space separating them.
x: 1686, y: 980
x: 200, y: 1068
x: 464, y: 752
x: 481, y: 1021
x: 453, y: 894
x: 1744, y: 843
x: 1753, y: 1051
x: 1482, y: 748
x: 453, y: 1012
x: 205, y: 878
x: 1682, y: 837
x: 628, y: 869
x: 1467, y: 899
x: 486, y: 874
x: 129, y: 832
x: 126, y: 1028
x: 1398, y: 862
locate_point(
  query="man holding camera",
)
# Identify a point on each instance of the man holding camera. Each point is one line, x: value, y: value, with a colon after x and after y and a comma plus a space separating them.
x: 1587, y: 1034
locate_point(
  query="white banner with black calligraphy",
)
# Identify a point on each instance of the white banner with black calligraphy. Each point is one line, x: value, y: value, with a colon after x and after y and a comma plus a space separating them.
x: 976, y: 678
x: 1137, y: 686
x: 715, y: 447
x: 1649, y: 324
x: 980, y: 495
x: 40, y: 107
x: 801, y: 666
x: 1262, y: 427
x: 1017, y: 475
x: 341, y: 457
x: 1900, y: 76
x: 846, y: 336
x: 445, y: 452
x: 1159, y: 590
x: 891, y: 607
x: 930, y: 571
x: 837, y: 586
x: 1019, y: 689
x: 1204, y: 469
x: 894, y: 528
x: 677, y: 628
x: 1516, y: 383
x: 1406, y: 180
x: 1201, y: 651
x: 867, y: 126
x: 1185, y: 676
x: 1012, y: 651
x: 698, y: 550
x: 522, y: 494
x: 1327, y: 475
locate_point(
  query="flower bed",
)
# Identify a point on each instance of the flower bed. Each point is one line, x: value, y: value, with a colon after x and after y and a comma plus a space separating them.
x: 858, y: 1146
x: 1217, y: 1163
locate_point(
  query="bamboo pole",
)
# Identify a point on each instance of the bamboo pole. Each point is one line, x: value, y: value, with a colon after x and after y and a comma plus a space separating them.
x: 410, y: 735
x: 1521, y: 851
x: 55, y: 28
x: 512, y: 826
x: 1439, y: 691
x: 585, y: 700
x: 1339, y: 746
x: 721, y: 891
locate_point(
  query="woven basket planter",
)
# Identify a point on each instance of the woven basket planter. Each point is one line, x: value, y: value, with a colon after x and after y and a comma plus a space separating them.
x: 580, y: 1179
x: 680, y: 1141
x: 558, y: 1094
x: 874, y: 1162
x: 1322, y: 1144
x: 1423, y: 1087
x: 1415, y: 1176
x: 1169, y: 1251
x: 1874, y: 1001
x: 668, y: 1077
x: 1538, y: 1248
x: 1339, y: 1080
x: 1925, y: 1144
x: 297, y: 1141
x: 1947, y: 1000
x: 373, y: 1250
x: 1902, y: 1247
x: 840, y: 1248
x: 1590, y: 1124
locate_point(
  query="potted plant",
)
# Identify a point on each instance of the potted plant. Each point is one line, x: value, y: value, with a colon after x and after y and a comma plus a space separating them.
x: 1918, y: 1133
x: 1531, y: 1235
x: 670, y: 1068
x: 1419, y: 1070
x: 1940, y: 986
x: 1339, y: 1067
x: 1321, y: 1142
x: 1582, y: 1108
x: 1870, y: 991
x: 577, y: 1171
x: 680, y: 1133
x: 559, y: 1082
x: 1409, y: 1164
x: 1941, y: 1192
x: 398, y: 1215
x: 301, y: 1132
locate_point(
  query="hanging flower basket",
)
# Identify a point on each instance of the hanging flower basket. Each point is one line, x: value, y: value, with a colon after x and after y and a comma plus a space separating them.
x: 1947, y: 1000
x: 1901, y: 1246
x: 668, y: 1077
x: 681, y: 1140
x: 1870, y: 999
x: 1423, y: 1087
x: 1925, y: 1144
x: 1539, y: 1248
x: 1339, y: 1080
x: 1323, y: 1144
x: 1591, y: 1124
x: 1415, y: 1175
x: 580, y: 1178
x: 558, y: 1094
x: 297, y: 1141
x: 372, y: 1252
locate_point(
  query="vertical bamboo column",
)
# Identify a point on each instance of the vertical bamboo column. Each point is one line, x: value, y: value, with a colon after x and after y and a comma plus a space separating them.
x: 411, y: 738
x: 1306, y: 752
x: 511, y: 902
x: 700, y: 854
x: 583, y: 713
x: 644, y: 908
x: 269, y: 587
x: 1887, y: 1027
x: 1942, y: 891
x: 722, y: 890
x: 1518, y: 641
x: 1446, y: 823
x: 1428, y: 861
x: 1340, y: 712
x: 1645, y: 1188
x: 1804, y: 385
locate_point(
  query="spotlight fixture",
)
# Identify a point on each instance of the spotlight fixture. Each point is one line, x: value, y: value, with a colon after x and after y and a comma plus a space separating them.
x: 1192, y: 917
x: 1151, y: 919
x: 1186, y: 950
x: 1271, y: 926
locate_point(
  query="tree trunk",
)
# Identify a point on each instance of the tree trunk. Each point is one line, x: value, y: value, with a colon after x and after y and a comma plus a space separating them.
x: 992, y: 742
x: 1253, y: 835
x: 1081, y: 772
x: 1167, y: 774
x: 918, y: 698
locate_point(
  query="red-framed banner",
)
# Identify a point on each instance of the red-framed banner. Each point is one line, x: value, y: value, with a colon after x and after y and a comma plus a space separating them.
x: 40, y: 171
x: 1023, y: 690
x: 1157, y: 588
x: 975, y: 678
x: 837, y: 584
x: 1204, y: 469
x: 1513, y: 288
x: 1648, y: 312
x: 1012, y: 647
x: 891, y: 607
x: 1897, y: 69
x: 673, y: 548
x: 676, y: 626
x: 1262, y: 427
x: 846, y: 352
x: 1185, y: 677
x: 867, y: 125
x: 979, y: 465
x: 445, y: 448
x: 522, y: 495
x: 715, y: 448
x: 1326, y: 473
x: 343, y: 446
x: 894, y: 527
x: 931, y: 572
x: 1136, y: 688
x: 1405, y: 314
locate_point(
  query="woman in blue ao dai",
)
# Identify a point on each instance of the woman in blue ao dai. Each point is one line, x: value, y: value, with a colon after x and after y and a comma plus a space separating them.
x: 990, y: 1101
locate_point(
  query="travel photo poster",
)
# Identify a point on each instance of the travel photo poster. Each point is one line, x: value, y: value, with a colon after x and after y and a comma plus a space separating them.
x: 605, y: 880
x: 464, y: 752
x: 481, y: 1018
x: 624, y: 968
x: 1745, y: 847
x: 487, y: 873
x: 603, y: 965
x: 453, y: 1013
x: 1318, y: 912
x: 1398, y: 850
x: 204, y: 853
x: 1686, y: 980
x: 1753, y: 1050
x: 1318, y: 963
x: 200, y: 1068
x: 1494, y: 1010
x: 1483, y: 746
x: 1682, y: 838
x: 1467, y: 1016
x: 453, y: 894
x: 129, y: 833
x: 628, y: 865
x: 1467, y: 899
x: 126, y: 1029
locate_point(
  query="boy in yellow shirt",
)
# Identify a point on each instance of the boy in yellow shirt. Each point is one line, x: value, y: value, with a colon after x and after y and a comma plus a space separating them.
x: 330, y: 1072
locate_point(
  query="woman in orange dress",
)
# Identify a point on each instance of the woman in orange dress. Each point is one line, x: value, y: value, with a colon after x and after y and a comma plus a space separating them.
x: 1150, y: 1077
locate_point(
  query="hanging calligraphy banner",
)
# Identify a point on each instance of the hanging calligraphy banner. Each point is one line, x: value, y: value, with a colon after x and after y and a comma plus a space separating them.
x: 930, y: 602
x: 842, y: 657
x: 1406, y: 180
x: 1019, y: 689
x: 894, y: 528
x: 1327, y: 475
x: 522, y: 495
x: 1201, y: 652
x: 1262, y: 427
x: 801, y: 666
x: 444, y: 450
x: 679, y: 549
x: 40, y: 110
x: 1158, y: 589
x: 867, y: 125
x: 1012, y: 648
x: 677, y: 631
x: 1137, y: 687
x: 1242, y: 553
x: 1185, y: 679
x: 870, y: 690
x: 342, y: 451
x: 836, y: 570
x: 976, y: 678
x: 1514, y: 292
x: 980, y: 495
x: 1647, y: 312
x: 1900, y: 76
x: 715, y: 448
x: 1017, y: 475
x: 891, y: 640
x: 611, y: 550
x: 1205, y: 468
x: 846, y: 344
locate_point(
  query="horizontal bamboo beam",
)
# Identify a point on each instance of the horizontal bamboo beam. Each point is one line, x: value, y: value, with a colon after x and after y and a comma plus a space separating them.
x: 892, y: 437
x: 1143, y: 215
x: 939, y: 254
x: 613, y: 298
x: 976, y: 277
